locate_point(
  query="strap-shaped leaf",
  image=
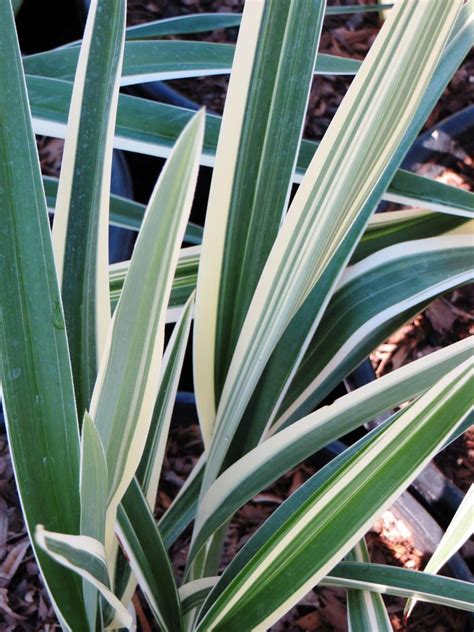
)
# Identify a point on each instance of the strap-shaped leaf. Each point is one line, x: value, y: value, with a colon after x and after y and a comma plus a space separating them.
x: 93, y: 491
x: 80, y: 229
x: 408, y: 188
x: 311, y: 531
x: 365, y: 609
x: 151, y: 128
x: 263, y: 465
x: 183, y: 25
x: 35, y: 371
x: 86, y: 557
x: 380, y: 578
x: 124, y: 213
x: 375, y: 297
x: 16, y: 4
x: 401, y: 582
x: 193, y: 594
x: 390, y: 228
x: 127, y: 386
x: 255, y: 160
x: 171, y: 59
x: 460, y: 529
x: 383, y: 230
x: 201, y: 22
x: 184, y: 281
x: 148, y: 558
x: 335, y: 200
x: 149, y: 470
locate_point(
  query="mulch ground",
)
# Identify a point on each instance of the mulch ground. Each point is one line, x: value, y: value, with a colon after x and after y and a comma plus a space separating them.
x: 23, y: 602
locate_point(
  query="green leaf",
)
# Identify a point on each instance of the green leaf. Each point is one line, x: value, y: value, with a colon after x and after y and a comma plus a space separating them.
x: 276, y: 455
x: 80, y: 229
x: 380, y: 578
x: 311, y: 531
x: 201, y: 22
x: 192, y: 594
x: 93, y: 492
x: 277, y: 376
x: 127, y: 385
x: 458, y: 532
x: 16, y: 4
x: 390, y: 228
x: 148, y: 558
x: 255, y: 161
x: 183, y: 25
x: 124, y: 213
x: 149, y: 470
x: 374, y: 297
x: 365, y: 609
x: 35, y: 370
x: 402, y: 582
x: 86, y: 557
x: 171, y: 59
x: 334, y: 202
x: 184, y: 282
x: 409, y: 188
x: 383, y: 230
x: 151, y: 128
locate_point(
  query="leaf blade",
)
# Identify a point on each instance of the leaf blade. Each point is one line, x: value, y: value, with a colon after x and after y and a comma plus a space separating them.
x: 36, y: 378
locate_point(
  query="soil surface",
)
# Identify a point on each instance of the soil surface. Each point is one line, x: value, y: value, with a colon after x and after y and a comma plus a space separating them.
x: 23, y: 601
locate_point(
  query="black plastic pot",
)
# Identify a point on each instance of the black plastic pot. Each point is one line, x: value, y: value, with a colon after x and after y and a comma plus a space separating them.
x: 121, y: 241
x: 447, y: 140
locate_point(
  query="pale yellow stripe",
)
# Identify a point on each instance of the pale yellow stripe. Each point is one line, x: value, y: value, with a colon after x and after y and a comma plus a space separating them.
x: 217, y: 215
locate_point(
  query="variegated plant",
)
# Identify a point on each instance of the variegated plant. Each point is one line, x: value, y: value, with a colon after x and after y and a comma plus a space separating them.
x: 287, y: 300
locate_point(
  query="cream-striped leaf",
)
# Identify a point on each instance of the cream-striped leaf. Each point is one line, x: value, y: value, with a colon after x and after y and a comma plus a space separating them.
x: 35, y: 370
x: 184, y: 281
x: 171, y: 59
x: 331, y: 207
x: 201, y: 22
x: 93, y: 493
x: 401, y: 582
x: 311, y: 531
x: 259, y: 468
x: 86, y: 557
x: 375, y: 297
x: 255, y: 161
x: 151, y: 128
x: 379, y: 578
x: 127, y: 385
x: 148, y: 558
x: 124, y: 213
x: 459, y: 530
x: 149, y: 470
x: 80, y: 229
x: 365, y: 609
x: 383, y: 230
x: 182, y: 510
